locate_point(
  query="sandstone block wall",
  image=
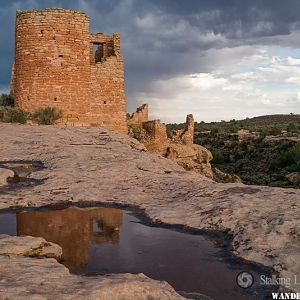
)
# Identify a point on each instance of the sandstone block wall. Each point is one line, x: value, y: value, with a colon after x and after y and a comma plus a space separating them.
x: 56, y: 65
x: 153, y: 134
x: 179, y: 147
x: 156, y: 131
x: 139, y: 117
x: 185, y: 136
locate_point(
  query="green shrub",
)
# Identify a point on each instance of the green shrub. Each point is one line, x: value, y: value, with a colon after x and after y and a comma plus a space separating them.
x: 6, y: 100
x: 47, y: 116
x: 233, y: 128
x: 218, y: 157
x: 290, y: 159
x: 215, y: 130
x: 275, y: 131
x: 292, y: 127
x: 13, y: 115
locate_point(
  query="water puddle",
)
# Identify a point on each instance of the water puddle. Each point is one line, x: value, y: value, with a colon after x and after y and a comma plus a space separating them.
x: 23, y: 171
x: 102, y: 240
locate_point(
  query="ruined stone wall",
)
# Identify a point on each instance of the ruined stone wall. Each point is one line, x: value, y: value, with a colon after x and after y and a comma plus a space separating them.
x: 55, y: 66
x: 139, y: 117
x: 108, y: 106
x: 185, y: 136
x: 156, y: 131
x: 154, y: 136
x: 188, y: 134
x: 179, y: 147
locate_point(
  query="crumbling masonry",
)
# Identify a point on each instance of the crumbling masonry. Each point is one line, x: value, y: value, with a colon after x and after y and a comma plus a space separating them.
x: 59, y: 63
x: 179, y: 146
x: 154, y: 133
x: 139, y: 117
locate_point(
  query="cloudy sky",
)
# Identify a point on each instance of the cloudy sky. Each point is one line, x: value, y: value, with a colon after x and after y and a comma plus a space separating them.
x: 216, y: 59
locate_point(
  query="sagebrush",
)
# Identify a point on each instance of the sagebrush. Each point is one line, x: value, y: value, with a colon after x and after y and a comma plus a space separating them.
x: 47, y: 116
x: 13, y: 115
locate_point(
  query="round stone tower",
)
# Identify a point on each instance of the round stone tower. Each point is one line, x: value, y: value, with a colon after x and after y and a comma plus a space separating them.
x: 55, y: 65
x: 52, y: 60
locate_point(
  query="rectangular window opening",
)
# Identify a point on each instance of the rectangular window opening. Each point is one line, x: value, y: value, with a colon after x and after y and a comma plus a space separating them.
x: 98, y: 52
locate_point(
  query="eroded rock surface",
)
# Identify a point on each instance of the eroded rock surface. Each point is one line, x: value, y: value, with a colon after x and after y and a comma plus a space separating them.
x: 191, y: 157
x: 4, y: 175
x: 31, y: 278
x: 95, y: 165
x: 293, y: 177
x: 220, y: 176
x: 29, y: 246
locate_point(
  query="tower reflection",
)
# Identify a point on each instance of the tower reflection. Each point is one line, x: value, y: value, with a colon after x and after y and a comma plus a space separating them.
x: 73, y: 229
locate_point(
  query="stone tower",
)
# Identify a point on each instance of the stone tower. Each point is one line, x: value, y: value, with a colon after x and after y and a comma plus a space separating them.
x: 59, y: 63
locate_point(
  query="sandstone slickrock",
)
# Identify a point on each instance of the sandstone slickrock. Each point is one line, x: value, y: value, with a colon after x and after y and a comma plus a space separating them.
x: 220, y: 176
x: 191, y: 157
x: 31, y: 278
x: 85, y: 164
x: 294, y: 177
x: 29, y: 246
x: 4, y: 174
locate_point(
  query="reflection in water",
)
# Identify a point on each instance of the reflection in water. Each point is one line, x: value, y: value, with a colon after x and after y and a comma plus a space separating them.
x: 108, y: 240
x: 73, y: 229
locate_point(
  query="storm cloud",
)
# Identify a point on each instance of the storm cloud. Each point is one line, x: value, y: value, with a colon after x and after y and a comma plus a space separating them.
x: 167, y: 43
